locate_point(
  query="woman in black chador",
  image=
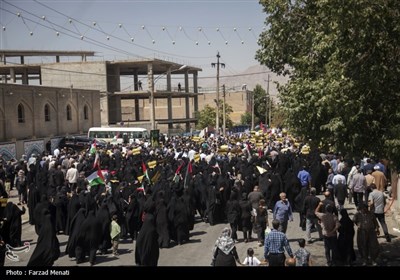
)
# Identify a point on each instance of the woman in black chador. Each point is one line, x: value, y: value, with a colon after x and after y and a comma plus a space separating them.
x: 12, y: 227
x: 346, y: 238
x: 224, y: 251
x: 48, y: 248
x: 147, y: 249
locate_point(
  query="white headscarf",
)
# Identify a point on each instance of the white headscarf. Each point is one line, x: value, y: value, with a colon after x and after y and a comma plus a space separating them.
x: 225, y: 242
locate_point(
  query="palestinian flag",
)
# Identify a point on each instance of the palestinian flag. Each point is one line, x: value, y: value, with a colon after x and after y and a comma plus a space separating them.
x: 96, y: 163
x: 144, y: 170
x: 177, y: 172
x: 93, y: 147
x: 96, y: 178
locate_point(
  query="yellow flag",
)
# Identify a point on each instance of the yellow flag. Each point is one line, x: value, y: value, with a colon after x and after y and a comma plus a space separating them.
x: 136, y: 151
x: 152, y: 164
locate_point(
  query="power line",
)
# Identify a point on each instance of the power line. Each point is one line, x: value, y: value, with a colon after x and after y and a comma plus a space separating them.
x: 109, y: 35
x: 99, y: 74
x: 94, y: 42
x: 237, y: 75
x: 147, y: 48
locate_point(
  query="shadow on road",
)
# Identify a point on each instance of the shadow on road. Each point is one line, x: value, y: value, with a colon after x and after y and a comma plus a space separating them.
x: 195, y: 233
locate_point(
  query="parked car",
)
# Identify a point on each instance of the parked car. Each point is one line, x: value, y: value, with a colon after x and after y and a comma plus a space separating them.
x: 80, y: 142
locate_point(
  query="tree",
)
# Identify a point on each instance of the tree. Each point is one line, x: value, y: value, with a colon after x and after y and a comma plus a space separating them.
x: 245, y: 119
x: 260, y: 104
x: 343, y: 59
x: 207, y: 116
x: 277, y: 116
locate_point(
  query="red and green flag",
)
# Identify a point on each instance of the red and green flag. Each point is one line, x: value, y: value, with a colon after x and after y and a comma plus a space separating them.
x: 96, y: 178
x: 144, y: 170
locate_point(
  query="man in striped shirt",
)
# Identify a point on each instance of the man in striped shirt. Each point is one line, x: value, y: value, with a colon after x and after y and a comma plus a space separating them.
x: 275, y: 245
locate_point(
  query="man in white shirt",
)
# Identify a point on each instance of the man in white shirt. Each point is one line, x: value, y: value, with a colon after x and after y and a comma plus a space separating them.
x: 377, y: 202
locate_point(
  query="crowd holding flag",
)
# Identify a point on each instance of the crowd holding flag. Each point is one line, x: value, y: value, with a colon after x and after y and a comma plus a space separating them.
x: 144, y: 170
x: 96, y: 178
x: 177, y: 172
x: 93, y: 147
x: 189, y: 171
x: 96, y: 163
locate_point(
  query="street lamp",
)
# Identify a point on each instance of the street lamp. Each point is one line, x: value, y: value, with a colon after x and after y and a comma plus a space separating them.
x: 152, y: 82
x: 163, y: 74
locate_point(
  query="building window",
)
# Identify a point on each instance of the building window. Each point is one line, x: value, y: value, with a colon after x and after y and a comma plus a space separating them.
x: 85, y: 112
x: 69, y: 115
x: 21, y: 113
x: 46, y: 113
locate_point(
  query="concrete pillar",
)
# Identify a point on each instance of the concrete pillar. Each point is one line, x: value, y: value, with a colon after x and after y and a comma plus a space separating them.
x: 137, y: 113
x: 196, y: 103
x: 187, y: 108
x: 195, y: 85
x: 169, y: 88
x: 25, y: 76
x: 12, y: 75
x: 186, y: 81
x: 135, y: 82
x: 169, y: 108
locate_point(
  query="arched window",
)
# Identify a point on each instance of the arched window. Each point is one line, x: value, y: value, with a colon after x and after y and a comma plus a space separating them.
x: 21, y: 113
x: 85, y: 112
x: 46, y: 113
x: 69, y: 114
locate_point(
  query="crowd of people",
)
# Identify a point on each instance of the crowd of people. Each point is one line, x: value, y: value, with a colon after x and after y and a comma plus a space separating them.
x: 152, y: 195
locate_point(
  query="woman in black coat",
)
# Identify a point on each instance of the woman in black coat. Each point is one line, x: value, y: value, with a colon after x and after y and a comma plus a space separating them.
x: 233, y: 213
x: 346, y: 238
x: 147, y: 250
x: 12, y: 227
x: 47, y: 249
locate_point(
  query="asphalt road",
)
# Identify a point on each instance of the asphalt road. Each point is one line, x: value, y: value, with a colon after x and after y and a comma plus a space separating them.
x: 197, y: 252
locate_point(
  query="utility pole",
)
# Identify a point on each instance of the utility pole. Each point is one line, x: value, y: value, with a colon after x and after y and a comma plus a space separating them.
x: 252, y: 108
x: 267, y: 120
x: 150, y: 84
x: 217, y: 100
x: 223, y: 112
x: 270, y: 110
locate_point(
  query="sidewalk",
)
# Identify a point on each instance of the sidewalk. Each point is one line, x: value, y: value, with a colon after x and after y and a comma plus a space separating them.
x: 14, y: 199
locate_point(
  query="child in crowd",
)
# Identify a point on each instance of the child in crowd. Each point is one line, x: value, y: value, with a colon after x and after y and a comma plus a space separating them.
x: 250, y: 260
x: 115, y: 235
x: 7, y: 185
x: 302, y: 256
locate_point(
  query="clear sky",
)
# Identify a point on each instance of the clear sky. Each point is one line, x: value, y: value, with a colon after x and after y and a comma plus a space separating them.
x: 187, y: 32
